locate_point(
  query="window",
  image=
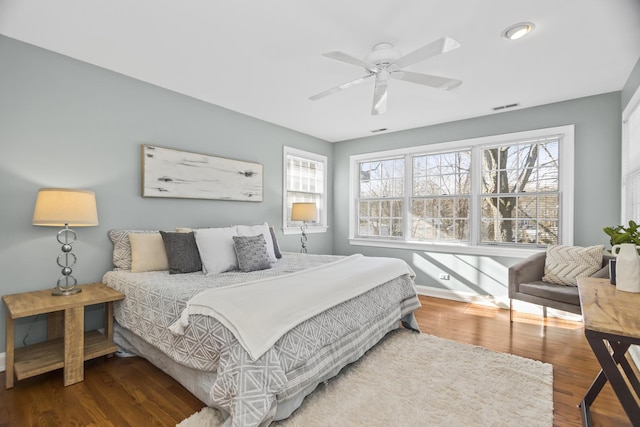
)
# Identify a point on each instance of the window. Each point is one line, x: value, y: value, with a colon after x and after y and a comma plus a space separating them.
x: 380, y: 205
x: 305, y: 180
x: 489, y: 195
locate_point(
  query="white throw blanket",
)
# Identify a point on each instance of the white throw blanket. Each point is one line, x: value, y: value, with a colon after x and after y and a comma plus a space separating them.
x: 258, y: 313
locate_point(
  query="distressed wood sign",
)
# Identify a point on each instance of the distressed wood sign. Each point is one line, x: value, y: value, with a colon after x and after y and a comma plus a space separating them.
x: 180, y: 174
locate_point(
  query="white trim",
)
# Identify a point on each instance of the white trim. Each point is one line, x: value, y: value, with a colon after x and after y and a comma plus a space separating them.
x: 462, y: 296
x: 486, y: 250
x: 566, y: 180
x: 625, y: 167
x: 3, y: 365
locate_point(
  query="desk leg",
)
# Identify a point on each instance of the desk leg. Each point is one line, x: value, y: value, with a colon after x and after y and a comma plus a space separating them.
x: 9, y: 351
x: 609, y: 363
x: 73, y: 345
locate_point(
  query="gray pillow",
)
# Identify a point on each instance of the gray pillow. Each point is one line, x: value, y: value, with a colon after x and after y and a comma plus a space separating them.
x: 182, y: 252
x: 251, y: 252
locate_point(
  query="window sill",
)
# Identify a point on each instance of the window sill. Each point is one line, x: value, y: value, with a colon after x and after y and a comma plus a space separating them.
x: 310, y: 230
x: 488, y: 250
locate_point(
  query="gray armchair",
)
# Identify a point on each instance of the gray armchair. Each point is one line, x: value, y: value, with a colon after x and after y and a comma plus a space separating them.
x: 525, y: 284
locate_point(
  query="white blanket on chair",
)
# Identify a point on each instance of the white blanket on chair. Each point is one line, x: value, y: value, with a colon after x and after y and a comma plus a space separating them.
x: 260, y: 312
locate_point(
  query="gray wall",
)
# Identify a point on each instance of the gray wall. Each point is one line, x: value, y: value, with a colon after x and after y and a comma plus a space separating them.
x: 64, y: 123
x: 597, y: 185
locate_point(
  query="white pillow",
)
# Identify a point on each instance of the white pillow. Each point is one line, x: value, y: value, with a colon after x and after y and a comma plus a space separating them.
x: 147, y: 252
x: 216, y: 249
x: 254, y: 230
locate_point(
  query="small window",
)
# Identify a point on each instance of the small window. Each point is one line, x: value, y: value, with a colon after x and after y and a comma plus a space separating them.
x: 305, y: 180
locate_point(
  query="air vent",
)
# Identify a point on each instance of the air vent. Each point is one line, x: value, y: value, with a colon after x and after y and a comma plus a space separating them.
x: 504, y: 107
x: 378, y: 130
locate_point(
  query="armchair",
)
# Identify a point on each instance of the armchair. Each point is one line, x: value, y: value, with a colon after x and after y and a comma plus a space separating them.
x: 525, y: 284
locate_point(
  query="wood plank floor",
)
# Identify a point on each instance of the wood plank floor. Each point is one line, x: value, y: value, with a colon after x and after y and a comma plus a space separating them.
x: 132, y: 392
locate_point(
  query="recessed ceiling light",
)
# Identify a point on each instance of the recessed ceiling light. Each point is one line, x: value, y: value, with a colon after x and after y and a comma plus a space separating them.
x: 517, y: 31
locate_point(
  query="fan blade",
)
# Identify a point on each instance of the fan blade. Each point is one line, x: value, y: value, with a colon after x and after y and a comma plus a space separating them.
x: 442, y: 45
x: 339, y: 88
x: 379, y: 98
x: 426, y: 79
x: 340, y: 56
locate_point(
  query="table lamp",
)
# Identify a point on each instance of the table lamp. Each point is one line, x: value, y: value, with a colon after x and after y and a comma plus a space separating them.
x: 304, y: 212
x: 60, y: 207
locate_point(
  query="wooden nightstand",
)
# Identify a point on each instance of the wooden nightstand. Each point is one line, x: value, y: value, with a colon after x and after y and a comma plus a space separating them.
x: 68, y: 346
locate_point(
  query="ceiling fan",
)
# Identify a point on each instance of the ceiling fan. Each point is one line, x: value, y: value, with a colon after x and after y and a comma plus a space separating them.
x: 385, y: 62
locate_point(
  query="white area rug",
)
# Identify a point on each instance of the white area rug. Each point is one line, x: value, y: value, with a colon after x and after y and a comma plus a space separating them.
x: 412, y: 379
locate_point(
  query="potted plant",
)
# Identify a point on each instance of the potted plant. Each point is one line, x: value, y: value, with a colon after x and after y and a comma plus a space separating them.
x: 621, y: 234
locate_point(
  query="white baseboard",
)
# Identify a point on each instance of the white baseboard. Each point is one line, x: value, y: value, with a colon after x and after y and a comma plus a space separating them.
x: 2, y: 362
x: 501, y: 302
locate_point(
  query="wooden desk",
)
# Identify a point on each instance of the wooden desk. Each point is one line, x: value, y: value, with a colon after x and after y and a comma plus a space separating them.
x: 611, y: 319
x: 68, y: 346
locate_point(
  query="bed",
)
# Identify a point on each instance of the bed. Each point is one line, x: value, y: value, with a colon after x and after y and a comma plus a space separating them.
x: 253, y: 387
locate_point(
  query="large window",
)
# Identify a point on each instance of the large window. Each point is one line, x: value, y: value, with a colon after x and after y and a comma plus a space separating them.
x: 305, y: 180
x: 493, y: 194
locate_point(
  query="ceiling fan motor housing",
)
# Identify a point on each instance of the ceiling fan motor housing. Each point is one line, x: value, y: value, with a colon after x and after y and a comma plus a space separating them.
x: 383, y: 54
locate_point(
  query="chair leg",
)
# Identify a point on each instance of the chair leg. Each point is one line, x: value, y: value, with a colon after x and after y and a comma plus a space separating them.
x: 544, y: 312
x: 510, y: 310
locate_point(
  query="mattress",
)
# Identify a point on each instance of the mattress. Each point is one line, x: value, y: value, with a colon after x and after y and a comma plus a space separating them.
x: 254, y: 392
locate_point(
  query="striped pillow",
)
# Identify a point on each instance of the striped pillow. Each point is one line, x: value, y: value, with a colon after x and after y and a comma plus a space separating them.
x: 564, y: 264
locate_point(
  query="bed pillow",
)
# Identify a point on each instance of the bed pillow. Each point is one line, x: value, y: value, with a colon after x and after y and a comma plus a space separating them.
x: 564, y: 264
x: 276, y: 247
x: 122, y: 247
x: 215, y: 246
x: 251, y: 252
x: 254, y: 230
x: 147, y: 252
x: 182, y: 252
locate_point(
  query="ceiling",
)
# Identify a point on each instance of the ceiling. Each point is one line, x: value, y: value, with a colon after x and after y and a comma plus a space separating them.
x: 263, y: 58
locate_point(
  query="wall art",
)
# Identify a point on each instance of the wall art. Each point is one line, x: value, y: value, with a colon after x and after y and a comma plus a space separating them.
x: 180, y: 174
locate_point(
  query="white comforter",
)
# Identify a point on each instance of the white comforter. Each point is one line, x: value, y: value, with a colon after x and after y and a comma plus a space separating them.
x: 278, y: 304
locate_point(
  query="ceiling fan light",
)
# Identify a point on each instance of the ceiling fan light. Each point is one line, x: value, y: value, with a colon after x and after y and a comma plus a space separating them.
x: 518, y: 31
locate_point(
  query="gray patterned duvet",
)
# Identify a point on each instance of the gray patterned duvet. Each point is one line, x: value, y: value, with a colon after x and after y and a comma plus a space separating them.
x: 251, y: 391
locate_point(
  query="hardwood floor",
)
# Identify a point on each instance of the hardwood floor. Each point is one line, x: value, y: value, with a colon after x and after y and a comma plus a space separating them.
x: 132, y: 392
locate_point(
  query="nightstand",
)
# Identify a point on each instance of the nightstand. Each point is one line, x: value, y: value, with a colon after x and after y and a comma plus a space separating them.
x: 67, y: 345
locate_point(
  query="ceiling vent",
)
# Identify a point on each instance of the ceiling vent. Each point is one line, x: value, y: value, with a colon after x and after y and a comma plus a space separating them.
x: 504, y: 107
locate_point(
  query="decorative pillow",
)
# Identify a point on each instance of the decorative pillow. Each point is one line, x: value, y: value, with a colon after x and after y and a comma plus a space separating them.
x: 182, y: 252
x: 215, y: 246
x: 147, y: 252
x: 276, y: 247
x: 564, y: 264
x: 251, y: 252
x: 122, y: 247
x: 254, y: 230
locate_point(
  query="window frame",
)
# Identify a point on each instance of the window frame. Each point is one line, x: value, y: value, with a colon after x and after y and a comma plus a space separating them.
x: 321, y: 225
x: 566, y: 186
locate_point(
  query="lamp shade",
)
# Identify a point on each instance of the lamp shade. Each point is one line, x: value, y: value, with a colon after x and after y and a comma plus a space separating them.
x: 60, y: 206
x: 304, y: 212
